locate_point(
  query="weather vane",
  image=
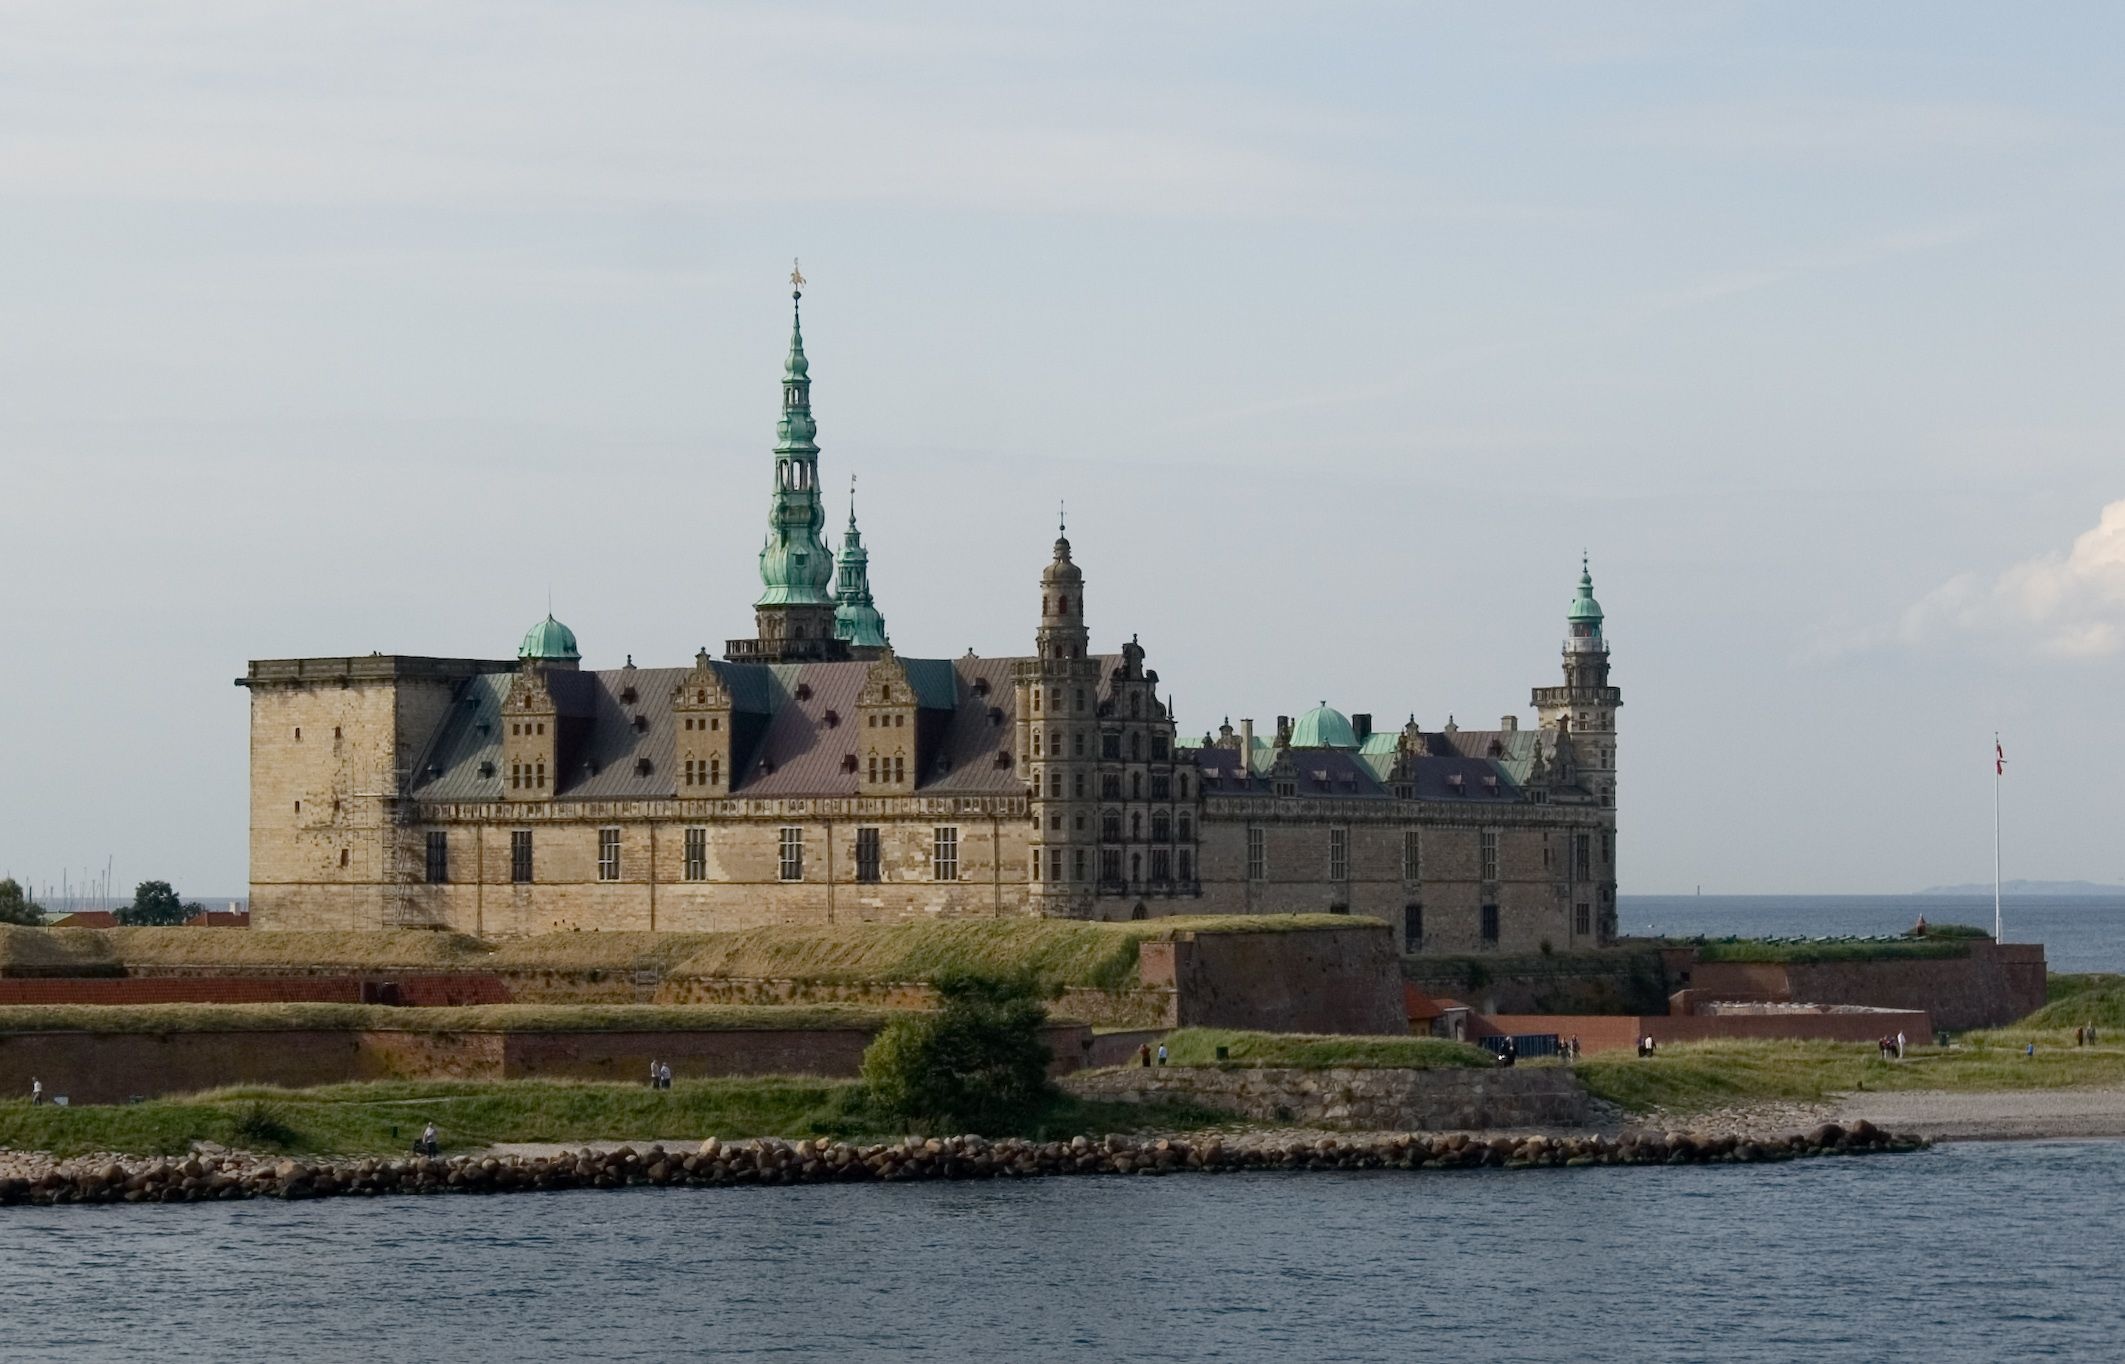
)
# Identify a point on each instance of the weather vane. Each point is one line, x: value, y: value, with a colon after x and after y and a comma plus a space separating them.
x: 796, y: 276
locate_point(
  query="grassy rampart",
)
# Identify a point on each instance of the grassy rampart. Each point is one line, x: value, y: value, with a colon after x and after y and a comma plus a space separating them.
x: 1805, y: 951
x: 384, y: 1118
x: 1318, y: 1051
x: 172, y: 1018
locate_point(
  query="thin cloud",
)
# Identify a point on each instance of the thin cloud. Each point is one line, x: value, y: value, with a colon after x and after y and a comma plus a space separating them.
x: 1840, y: 129
x: 2065, y: 605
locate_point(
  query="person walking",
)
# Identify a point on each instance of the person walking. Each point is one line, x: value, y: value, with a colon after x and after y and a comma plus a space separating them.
x: 36, y: 1090
x: 1144, y: 1055
x: 652, y: 1072
x: 664, y: 1076
x: 1162, y: 1053
x: 431, y: 1143
x: 1899, y: 1046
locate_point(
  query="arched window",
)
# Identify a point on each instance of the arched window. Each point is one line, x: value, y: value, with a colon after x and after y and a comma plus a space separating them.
x: 1136, y: 704
x: 1110, y: 826
x: 1187, y: 829
x: 1062, y: 606
x: 1036, y: 743
x: 1136, y: 825
x: 874, y: 767
x: 1078, y: 785
x: 1161, y: 828
x: 1184, y: 786
x: 1136, y: 747
x: 1136, y: 786
x: 1139, y: 912
x: 715, y: 771
x: 1136, y: 866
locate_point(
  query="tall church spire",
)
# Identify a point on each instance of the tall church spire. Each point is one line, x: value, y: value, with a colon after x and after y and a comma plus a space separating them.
x: 795, y: 610
x: 857, y: 621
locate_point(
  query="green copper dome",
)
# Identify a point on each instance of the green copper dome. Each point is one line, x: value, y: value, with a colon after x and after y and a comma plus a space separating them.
x: 1584, y: 609
x: 1324, y: 727
x: 549, y: 639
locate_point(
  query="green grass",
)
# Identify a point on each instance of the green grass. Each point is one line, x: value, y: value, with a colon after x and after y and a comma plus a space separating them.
x: 1058, y: 953
x: 384, y: 1118
x: 1798, y: 953
x: 1319, y: 1051
x: 2079, y: 1000
x: 168, y: 1018
x: 1696, y: 1076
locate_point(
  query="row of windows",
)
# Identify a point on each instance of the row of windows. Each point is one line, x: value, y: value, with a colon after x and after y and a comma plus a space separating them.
x: 893, y: 769
x: 299, y: 733
x: 1055, y: 699
x: 1339, y: 853
x: 1165, y: 863
x: 944, y: 855
x: 1163, y: 826
x: 528, y: 776
x: 1110, y: 747
x: 1110, y: 786
x: 702, y: 722
x: 701, y: 772
x: 885, y: 721
x: 1413, y: 923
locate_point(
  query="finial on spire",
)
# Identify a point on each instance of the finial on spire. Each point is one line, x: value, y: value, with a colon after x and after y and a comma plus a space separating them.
x: 796, y: 279
x: 852, y: 502
x: 1062, y: 517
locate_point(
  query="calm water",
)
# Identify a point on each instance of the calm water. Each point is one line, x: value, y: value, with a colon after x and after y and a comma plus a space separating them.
x: 1974, y: 1252
x: 2078, y: 933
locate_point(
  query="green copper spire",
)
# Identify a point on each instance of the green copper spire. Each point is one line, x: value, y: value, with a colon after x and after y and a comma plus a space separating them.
x: 549, y: 641
x: 856, y: 618
x: 796, y: 568
x: 1584, y: 609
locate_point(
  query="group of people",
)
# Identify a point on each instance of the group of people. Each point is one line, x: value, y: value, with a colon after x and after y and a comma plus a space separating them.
x: 1892, y: 1048
x: 2084, y: 1037
x: 1647, y: 1046
x: 1143, y: 1054
x: 659, y: 1076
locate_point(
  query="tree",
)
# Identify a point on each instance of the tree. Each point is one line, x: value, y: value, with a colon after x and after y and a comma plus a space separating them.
x: 977, y: 1063
x: 16, y: 907
x: 153, y: 903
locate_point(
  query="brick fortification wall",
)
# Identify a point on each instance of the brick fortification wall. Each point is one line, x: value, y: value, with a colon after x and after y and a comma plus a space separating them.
x: 1363, y: 1100
x: 1996, y: 984
x: 1336, y: 980
x: 178, y: 986
x: 112, y: 1067
x: 1608, y: 981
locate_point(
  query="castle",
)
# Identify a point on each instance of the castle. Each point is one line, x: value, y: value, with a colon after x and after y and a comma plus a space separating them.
x: 816, y: 775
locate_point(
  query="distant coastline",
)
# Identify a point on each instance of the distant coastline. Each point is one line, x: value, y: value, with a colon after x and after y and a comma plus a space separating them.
x: 2090, y: 888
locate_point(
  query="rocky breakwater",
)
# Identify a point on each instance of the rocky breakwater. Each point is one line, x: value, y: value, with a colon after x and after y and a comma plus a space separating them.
x: 719, y: 1164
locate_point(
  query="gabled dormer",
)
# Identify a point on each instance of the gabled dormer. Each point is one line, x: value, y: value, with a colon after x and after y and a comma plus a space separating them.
x: 531, y: 732
x: 702, y: 721
x: 886, y: 748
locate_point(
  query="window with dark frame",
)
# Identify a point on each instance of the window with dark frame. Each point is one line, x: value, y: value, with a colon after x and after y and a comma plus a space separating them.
x: 868, y: 855
x: 696, y: 855
x: 608, y: 854
x: 438, y: 857
x: 1490, y: 923
x: 520, y: 856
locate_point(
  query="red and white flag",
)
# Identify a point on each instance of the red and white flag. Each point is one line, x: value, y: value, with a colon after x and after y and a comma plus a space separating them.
x: 1999, y: 758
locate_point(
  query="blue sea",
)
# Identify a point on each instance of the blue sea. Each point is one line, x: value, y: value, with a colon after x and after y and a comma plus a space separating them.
x: 2079, y: 933
x: 1962, y: 1253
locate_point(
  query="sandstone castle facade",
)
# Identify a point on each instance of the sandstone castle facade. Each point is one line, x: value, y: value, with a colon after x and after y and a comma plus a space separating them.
x: 816, y: 775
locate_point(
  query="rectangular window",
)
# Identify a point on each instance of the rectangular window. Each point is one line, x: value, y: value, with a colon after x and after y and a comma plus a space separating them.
x: 1582, y: 857
x: 608, y: 854
x: 1412, y: 856
x: 1110, y: 864
x: 1412, y: 927
x: 1161, y: 787
x: 1110, y: 746
x: 1187, y: 865
x: 944, y: 855
x: 1257, y: 856
x: 1582, y: 920
x: 1490, y: 923
x: 697, y: 854
x: 1608, y: 850
x: 520, y: 856
x: 438, y: 857
x: 867, y: 855
x: 1055, y: 864
x: 1158, y: 750
x: 1488, y: 843
x: 1161, y: 864
x: 793, y: 854
x: 1339, y: 854
x: 1110, y: 785
x: 1077, y: 865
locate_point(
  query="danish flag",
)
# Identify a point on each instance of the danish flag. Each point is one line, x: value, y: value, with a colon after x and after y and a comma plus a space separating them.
x: 1999, y: 758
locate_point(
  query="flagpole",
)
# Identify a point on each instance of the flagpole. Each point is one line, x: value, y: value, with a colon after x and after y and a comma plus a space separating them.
x: 1996, y: 765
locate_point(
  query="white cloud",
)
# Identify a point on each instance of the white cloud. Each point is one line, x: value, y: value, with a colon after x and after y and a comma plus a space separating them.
x: 2069, y: 605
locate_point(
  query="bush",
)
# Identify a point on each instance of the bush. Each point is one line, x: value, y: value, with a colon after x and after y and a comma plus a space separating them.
x: 976, y: 1064
x: 259, y: 1123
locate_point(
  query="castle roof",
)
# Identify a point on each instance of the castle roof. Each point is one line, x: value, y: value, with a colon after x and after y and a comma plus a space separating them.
x: 549, y: 639
x: 1324, y: 727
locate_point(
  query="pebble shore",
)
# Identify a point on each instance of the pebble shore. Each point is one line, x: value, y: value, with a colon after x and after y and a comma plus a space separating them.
x: 29, y: 1179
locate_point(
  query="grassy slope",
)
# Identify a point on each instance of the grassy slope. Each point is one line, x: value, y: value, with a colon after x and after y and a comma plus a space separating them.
x: 1313, y: 1051
x: 1707, y: 1075
x: 2079, y: 1000
x: 1058, y: 952
x: 166, y: 1018
x: 385, y: 1117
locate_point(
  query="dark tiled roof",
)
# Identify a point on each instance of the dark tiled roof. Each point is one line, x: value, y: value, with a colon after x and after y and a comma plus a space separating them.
x: 1324, y: 772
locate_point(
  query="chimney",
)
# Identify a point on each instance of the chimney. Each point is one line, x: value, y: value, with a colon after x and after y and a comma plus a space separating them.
x: 1510, y: 724
x: 1246, y: 748
x: 1362, y: 724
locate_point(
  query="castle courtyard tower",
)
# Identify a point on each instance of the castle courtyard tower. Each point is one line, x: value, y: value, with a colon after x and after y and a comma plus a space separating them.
x: 857, y: 622
x: 1058, y: 734
x: 1582, y: 716
x: 795, y: 613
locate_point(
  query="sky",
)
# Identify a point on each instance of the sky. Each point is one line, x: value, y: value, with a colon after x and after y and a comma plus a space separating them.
x: 1343, y: 330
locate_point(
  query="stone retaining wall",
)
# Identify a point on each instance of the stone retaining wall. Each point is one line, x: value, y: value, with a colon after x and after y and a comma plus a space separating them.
x: 1381, y: 1099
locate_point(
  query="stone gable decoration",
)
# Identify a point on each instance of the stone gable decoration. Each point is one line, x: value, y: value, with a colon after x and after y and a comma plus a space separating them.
x: 816, y: 773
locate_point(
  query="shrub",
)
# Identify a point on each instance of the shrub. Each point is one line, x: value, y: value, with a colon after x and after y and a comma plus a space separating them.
x: 976, y: 1064
x: 259, y: 1123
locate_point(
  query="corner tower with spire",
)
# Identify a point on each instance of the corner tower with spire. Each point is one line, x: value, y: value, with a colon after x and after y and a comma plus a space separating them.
x: 1058, y: 743
x: 794, y: 615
